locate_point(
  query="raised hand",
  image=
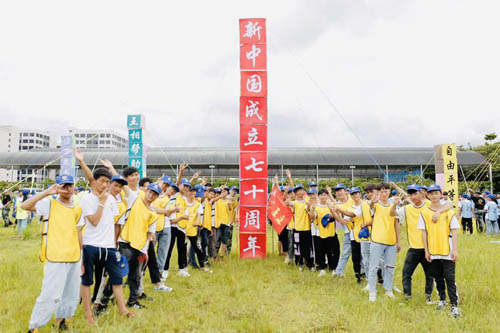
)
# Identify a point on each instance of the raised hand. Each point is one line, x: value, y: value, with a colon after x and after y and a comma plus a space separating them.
x: 107, y: 164
x: 78, y: 154
x: 54, y: 189
x: 182, y: 167
x: 103, y: 197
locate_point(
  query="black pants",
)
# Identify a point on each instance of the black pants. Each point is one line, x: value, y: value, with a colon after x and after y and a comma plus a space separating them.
x: 413, y: 258
x: 193, y: 240
x: 181, y: 249
x: 283, y: 238
x: 467, y: 224
x: 356, y: 257
x: 154, y: 272
x: 331, y: 247
x: 100, y: 275
x: 134, y: 274
x: 444, y: 271
x: 305, y: 241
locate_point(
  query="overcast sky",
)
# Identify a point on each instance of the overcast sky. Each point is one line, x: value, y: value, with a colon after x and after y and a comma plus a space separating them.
x: 401, y: 73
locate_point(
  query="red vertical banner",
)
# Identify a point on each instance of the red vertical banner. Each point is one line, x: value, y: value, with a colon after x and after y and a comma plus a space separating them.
x: 253, y: 138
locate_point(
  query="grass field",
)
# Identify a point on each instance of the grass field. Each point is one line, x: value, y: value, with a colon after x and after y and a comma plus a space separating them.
x: 267, y: 295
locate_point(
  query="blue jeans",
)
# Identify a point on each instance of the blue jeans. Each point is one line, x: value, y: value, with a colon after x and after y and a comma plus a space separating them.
x: 388, y: 253
x: 491, y: 227
x: 163, y: 238
x: 344, y: 256
x: 21, y: 225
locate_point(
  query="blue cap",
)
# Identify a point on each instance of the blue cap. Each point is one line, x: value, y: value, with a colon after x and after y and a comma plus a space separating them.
x: 298, y: 187
x: 487, y: 192
x: 155, y: 188
x: 355, y: 190
x: 186, y: 182
x: 339, y: 187
x: 200, y: 190
x: 65, y: 179
x: 175, y: 187
x: 327, y: 219
x: 394, y: 192
x: 413, y: 187
x: 225, y: 188
x: 218, y: 190
x: 364, y: 233
x: 491, y: 196
x: 167, y: 180
x: 33, y: 192
x: 312, y: 184
x: 79, y: 188
x: 434, y: 187
x: 290, y: 188
x: 312, y: 191
x: 423, y: 187
x: 235, y: 188
x: 464, y: 196
x: 468, y: 197
x: 119, y: 179
x: 25, y: 192
x: 282, y: 188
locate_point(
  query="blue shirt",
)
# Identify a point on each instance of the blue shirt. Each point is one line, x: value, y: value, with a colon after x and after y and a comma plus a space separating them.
x: 492, y: 214
x: 466, y: 206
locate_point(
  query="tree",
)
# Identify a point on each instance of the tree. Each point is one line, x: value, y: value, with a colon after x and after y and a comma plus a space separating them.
x: 490, y: 137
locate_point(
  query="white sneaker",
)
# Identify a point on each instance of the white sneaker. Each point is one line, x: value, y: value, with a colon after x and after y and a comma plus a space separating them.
x: 313, y: 269
x: 455, y: 312
x: 164, y: 276
x: 322, y: 272
x: 163, y: 287
x: 287, y: 260
x: 389, y: 294
x: 396, y: 289
x: 441, y: 305
x: 301, y: 269
x: 367, y: 288
x: 184, y: 273
x: 206, y: 270
x: 372, y: 297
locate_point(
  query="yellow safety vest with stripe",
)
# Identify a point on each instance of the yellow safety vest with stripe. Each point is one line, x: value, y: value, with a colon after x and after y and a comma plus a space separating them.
x: 383, y: 230
x: 302, y: 219
x: 138, y: 219
x: 439, y: 233
x: 412, y: 215
x: 329, y: 231
x: 192, y: 210
x: 161, y: 203
x: 357, y: 221
x: 60, y: 233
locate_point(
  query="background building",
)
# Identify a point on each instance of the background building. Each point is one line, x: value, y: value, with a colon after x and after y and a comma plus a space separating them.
x: 98, y: 139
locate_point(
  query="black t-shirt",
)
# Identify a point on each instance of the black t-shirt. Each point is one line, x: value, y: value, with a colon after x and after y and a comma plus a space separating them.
x: 6, y: 199
x: 479, y: 202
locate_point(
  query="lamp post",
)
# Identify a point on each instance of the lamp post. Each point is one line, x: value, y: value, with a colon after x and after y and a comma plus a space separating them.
x: 352, y: 173
x: 212, y: 167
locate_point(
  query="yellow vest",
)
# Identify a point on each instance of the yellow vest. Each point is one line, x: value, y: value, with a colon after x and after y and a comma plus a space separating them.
x: 412, y: 215
x: 180, y: 203
x: 122, y: 208
x: 207, y: 215
x: 357, y: 221
x: 161, y: 203
x: 192, y: 227
x: 438, y: 234
x: 383, y: 230
x: 329, y: 231
x: 60, y: 233
x: 221, y: 213
x: 135, y: 229
x: 302, y: 220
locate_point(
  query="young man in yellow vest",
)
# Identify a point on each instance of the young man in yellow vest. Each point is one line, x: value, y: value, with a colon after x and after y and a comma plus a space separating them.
x: 385, y: 242
x: 138, y: 229
x: 441, y: 248
x: 344, y: 202
x: 173, y: 220
x: 223, y: 219
x: 208, y: 219
x: 328, y: 242
x: 61, y: 253
x: 302, y: 217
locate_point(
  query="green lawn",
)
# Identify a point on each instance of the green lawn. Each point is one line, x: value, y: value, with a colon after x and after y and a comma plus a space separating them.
x: 267, y: 295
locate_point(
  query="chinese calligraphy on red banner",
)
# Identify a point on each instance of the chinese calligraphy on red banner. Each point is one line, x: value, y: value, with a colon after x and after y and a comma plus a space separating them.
x: 253, y: 138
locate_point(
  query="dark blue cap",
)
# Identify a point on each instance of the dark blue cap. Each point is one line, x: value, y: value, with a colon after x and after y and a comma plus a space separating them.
x: 235, y: 188
x: 298, y: 187
x: 394, y: 192
x: 119, y: 179
x: 491, y: 196
x: 25, y: 192
x: 364, y: 233
x: 355, y: 190
x: 433, y: 188
x: 200, y: 190
x: 312, y: 191
x: 313, y: 184
x: 327, y: 219
x: 423, y: 187
x: 155, y: 188
x: 65, y: 179
x: 340, y: 187
x: 413, y: 187
x: 464, y: 196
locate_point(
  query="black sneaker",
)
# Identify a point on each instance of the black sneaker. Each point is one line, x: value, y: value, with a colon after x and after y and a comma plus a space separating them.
x: 135, y: 305
x: 99, y: 309
x: 145, y: 297
x: 63, y: 326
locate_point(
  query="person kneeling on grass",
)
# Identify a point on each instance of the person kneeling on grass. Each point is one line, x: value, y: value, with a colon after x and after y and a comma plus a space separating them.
x: 441, y: 248
x: 61, y: 246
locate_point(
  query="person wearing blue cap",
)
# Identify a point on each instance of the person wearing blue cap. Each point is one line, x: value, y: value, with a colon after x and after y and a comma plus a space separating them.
x: 491, y: 208
x: 385, y: 242
x: 344, y: 202
x: 441, y: 248
x: 466, y: 213
x: 410, y: 214
x: 61, y: 253
x: 223, y: 206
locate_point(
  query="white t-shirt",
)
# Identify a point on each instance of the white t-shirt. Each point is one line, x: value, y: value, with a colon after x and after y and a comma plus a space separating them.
x: 102, y: 235
x: 453, y: 225
x: 357, y: 212
x: 152, y: 228
x: 42, y: 208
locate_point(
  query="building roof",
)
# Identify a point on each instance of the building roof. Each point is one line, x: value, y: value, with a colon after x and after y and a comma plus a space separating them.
x: 220, y: 156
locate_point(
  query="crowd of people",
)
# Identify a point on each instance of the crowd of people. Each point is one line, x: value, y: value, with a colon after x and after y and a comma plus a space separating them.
x: 126, y: 225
